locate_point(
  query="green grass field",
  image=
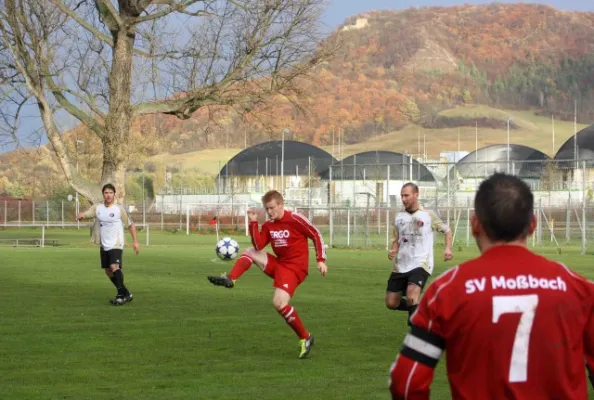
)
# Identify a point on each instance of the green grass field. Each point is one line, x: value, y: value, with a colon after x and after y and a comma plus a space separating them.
x: 182, y: 338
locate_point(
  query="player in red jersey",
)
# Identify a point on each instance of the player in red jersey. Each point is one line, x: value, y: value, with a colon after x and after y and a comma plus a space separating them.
x: 515, y: 325
x: 288, y: 232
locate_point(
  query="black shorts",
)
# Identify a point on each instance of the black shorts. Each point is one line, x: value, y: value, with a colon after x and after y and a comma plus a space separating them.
x: 110, y: 257
x: 398, y: 282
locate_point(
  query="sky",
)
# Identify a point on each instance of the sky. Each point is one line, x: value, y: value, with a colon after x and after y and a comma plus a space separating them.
x: 339, y: 10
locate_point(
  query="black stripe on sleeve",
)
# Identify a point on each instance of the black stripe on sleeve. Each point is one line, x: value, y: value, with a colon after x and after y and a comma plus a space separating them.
x: 423, y: 346
x: 419, y: 357
x: 428, y: 337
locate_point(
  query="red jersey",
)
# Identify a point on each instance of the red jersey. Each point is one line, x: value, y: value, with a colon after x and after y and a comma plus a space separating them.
x: 514, y: 325
x: 288, y: 237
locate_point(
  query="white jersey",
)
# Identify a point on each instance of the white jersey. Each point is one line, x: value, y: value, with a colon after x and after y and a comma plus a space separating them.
x: 414, y: 233
x: 111, y: 221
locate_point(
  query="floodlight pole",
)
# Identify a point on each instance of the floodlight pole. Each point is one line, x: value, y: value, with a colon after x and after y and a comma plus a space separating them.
x: 283, y: 162
x: 507, y: 166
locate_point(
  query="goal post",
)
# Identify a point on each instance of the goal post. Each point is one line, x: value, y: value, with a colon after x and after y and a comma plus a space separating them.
x: 40, y: 235
x: 202, y: 217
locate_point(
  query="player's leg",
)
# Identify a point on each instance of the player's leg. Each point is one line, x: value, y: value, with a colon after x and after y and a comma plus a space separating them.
x: 105, y: 266
x: 285, y: 284
x: 396, y: 286
x: 115, y: 265
x: 416, y: 282
x: 104, y: 255
x: 243, y: 263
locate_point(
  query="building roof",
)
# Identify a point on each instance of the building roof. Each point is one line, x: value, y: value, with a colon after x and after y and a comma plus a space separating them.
x: 522, y: 161
x: 265, y: 158
x: 585, y: 148
x: 373, y: 165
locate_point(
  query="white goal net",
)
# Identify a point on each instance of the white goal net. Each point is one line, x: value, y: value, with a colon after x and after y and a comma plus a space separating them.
x: 217, y: 217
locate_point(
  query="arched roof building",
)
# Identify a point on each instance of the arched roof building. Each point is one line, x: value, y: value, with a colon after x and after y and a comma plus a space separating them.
x: 523, y: 161
x: 373, y: 165
x: 581, y: 149
x: 264, y: 159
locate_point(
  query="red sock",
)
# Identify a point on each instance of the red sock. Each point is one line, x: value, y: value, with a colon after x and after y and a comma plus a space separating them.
x: 242, y: 264
x: 292, y: 318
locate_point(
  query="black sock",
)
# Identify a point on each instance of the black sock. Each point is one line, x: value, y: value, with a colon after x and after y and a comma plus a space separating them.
x: 119, y: 278
x: 113, y: 280
x: 403, y: 306
x: 411, y: 310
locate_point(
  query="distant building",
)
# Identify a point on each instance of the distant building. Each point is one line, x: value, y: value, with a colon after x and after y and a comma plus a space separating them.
x: 523, y: 161
x: 374, y: 176
x: 260, y: 168
x: 573, y: 156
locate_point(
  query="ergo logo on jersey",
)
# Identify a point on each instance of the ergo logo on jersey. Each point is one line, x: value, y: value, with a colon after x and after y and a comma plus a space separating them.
x: 280, y: 234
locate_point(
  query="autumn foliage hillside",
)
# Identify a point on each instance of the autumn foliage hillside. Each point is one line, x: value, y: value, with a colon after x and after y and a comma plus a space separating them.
x: 395, y: 70
x: 400, y: 67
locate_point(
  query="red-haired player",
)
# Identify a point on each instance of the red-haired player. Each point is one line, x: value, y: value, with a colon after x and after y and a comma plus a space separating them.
x: 515, y: 325
x: 288, y: 233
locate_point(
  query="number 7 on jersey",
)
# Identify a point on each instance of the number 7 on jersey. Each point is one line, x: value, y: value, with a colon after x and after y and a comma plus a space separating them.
x: 526, y: 305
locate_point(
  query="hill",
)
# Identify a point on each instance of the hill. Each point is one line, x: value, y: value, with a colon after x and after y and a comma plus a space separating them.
x: 531, y: 130
x: 432, y: 70
x: 395, y: 68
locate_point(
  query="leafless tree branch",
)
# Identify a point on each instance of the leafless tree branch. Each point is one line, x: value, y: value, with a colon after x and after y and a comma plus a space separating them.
x: 107, y: 62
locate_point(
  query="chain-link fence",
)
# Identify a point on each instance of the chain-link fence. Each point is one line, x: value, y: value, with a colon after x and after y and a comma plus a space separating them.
x: 354, y: 205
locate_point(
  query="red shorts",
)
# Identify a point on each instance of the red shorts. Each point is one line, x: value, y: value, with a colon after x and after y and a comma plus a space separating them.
x: 285, y: 278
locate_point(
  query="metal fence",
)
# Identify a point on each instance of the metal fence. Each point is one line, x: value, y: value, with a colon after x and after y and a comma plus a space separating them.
x: 558, y: 225
x: 355, y: 209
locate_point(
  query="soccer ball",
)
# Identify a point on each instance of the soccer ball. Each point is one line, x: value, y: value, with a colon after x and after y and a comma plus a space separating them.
x: 227, y: 249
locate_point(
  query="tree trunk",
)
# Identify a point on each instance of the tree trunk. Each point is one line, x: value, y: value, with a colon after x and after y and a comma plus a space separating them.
x: 119, y: 120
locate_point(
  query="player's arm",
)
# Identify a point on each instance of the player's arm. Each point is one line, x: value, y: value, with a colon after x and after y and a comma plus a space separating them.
x: 90, y: 213
x: 395, y: 244
x: 127, y: 221
x: 260, y: 239
x: 439, y: 225
x: 589, y: 346
x: 305, y: 226
x: 413, y: 371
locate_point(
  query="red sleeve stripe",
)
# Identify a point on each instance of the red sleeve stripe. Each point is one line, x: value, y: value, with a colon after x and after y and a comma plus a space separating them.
x: 409, y: 380
x: 452, y: 272
x: 573, y: 274
x: 311, y: 228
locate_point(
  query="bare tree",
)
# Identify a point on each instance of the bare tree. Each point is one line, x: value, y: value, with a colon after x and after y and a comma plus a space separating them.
x: 106, y: 62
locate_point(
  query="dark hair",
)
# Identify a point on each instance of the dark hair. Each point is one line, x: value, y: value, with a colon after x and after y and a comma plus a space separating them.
x: 414, y: 187
x: 108, y: 186
x: 504, y: 205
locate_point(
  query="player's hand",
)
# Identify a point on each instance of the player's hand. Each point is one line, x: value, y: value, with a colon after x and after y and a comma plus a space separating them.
x: 252, y: 215
x: 323, y: 268
x: 392, y: 254
x: 136, y: 247
x: 447, y: 254
x: 79, y: 216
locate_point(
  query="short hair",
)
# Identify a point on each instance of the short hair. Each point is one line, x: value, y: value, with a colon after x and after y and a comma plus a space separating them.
x: 504, y: 205
x: 108, y: 186
x: 273, y: 195
x: 414, y: 187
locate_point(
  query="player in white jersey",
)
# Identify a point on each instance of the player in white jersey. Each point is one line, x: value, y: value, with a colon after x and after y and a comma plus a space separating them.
x: 412, y: 251
x: 108, y: 231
